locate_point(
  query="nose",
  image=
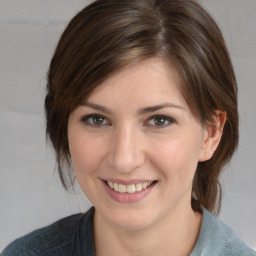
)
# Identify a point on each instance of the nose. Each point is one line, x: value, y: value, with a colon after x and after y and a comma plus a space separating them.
x: 126, y: 152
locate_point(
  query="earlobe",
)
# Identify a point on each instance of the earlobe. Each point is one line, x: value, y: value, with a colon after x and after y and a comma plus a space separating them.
x: 212, y: 137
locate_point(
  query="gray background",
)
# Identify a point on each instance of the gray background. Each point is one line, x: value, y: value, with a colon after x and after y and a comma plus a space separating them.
x: 30, y: 193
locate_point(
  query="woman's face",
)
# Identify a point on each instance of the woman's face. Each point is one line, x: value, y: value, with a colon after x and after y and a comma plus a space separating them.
x: 136, y: 133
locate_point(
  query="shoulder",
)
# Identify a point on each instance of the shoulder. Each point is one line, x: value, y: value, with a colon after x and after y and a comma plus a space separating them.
x: 55, y: 239
x: 216, y: 238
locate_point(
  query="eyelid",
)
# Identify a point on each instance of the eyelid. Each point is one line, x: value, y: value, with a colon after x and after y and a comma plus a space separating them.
x: 85, y: 118
x: 167, y: 118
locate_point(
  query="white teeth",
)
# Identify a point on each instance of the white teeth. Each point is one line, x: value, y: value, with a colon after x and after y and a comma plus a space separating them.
x: 116, y: 187
x: 144, y: 185
x: 138, y: 187
x: 132, y: 188
x: 111, y: 184
x: 122, y: 188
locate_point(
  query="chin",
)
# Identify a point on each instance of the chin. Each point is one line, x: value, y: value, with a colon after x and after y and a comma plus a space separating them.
x: 130, y: 219
x: 131, y: 224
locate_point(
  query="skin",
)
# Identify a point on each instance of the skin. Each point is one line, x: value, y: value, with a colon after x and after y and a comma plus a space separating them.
x: 127, y: 144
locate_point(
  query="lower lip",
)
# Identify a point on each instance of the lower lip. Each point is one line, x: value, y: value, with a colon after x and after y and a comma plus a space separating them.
x: 126, y: 197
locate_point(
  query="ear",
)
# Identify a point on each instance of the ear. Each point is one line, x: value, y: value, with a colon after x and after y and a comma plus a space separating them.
x: 212, y: 136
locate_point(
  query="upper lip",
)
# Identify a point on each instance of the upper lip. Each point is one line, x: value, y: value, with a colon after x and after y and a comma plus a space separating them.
x: 128, y: 182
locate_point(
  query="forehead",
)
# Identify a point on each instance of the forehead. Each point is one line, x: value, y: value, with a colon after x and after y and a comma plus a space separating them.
x: 146, y: 82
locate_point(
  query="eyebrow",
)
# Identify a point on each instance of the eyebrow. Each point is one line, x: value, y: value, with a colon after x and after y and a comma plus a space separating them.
x: 140, y: 111
x: 158, y: 107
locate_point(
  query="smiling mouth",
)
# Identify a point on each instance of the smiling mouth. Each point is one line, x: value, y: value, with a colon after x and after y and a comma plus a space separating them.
x: 131, y: 188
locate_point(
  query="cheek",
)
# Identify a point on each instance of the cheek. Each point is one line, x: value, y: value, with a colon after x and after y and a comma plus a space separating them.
x: 176, y: 157
x: 86, y: 154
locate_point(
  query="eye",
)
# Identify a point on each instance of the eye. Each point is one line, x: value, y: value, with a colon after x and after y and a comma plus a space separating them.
x: 160, y: 121
x: 95, y: 120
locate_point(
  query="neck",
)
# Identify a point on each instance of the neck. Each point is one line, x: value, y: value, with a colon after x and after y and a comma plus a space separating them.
x: 158, y: 239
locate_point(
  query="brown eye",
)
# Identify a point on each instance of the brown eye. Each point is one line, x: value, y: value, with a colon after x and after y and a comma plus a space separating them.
x: 160, y: 121
x: 95, y: 120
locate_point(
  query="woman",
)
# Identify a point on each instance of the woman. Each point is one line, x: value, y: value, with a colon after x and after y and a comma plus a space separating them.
x: 141, y: 109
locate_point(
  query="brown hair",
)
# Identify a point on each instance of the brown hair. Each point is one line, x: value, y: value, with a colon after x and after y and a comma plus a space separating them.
x: 107, y: 35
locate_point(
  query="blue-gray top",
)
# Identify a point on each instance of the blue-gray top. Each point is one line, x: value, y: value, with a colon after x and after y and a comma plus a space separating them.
x: 74, y: 236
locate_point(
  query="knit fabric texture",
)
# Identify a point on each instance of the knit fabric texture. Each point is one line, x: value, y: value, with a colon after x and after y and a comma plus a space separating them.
x: 74, y: 236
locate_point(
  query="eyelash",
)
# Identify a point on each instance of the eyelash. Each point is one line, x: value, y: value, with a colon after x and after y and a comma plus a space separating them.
x: 86, y: 119
x: 163, y: 117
